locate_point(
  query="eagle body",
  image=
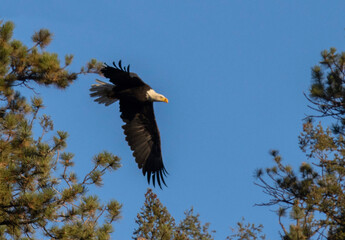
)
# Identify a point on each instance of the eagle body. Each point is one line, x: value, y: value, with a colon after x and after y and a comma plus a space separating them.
x: 136, y: 106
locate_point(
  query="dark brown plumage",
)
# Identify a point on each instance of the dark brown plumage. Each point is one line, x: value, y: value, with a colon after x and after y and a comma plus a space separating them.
x: 136, y: 106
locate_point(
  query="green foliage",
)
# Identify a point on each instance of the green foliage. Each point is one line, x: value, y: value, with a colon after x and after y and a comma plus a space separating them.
x: 42, y: 38
x: 155, y: 222
x: 19, y: 64
x: 40, y: 195
x: 247, y: 232
x: 327, y: 92
x: 315, y: 196
x: 191, y: 228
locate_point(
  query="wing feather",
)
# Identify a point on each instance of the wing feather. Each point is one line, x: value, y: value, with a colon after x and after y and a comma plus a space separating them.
x: 143, y: 137
x: 120, y: 77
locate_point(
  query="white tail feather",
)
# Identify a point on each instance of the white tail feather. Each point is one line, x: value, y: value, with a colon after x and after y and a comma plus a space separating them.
x: 103, y: 93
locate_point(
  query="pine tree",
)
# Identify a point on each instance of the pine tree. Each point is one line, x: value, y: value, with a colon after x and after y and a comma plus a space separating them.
x: 191, y: 228
x: 155, y: 222
x: 313, y: 197
x: 327, y: 93
x: 40, y: 195
x: 247, y: 231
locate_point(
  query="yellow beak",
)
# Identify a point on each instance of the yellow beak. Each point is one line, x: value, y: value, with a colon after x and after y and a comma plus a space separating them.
x: 165, y: 100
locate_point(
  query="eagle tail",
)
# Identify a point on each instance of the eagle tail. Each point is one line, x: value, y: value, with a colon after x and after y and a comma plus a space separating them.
x: 103, y: 93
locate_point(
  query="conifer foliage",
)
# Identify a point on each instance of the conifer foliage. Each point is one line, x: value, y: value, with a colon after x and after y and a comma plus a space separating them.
x: 40, y: 194
x: 327, y: 93
x: 155, y: 222
x: 313, y: 196
x: 247, y: 231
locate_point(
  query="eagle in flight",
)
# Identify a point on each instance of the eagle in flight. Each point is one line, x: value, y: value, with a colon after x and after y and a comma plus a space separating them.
x: 136, y: 106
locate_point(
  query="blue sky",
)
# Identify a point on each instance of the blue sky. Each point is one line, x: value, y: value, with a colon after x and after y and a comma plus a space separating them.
x: 234, y: 73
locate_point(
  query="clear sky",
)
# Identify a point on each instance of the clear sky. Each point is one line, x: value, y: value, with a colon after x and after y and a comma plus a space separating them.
x: 234, y: 73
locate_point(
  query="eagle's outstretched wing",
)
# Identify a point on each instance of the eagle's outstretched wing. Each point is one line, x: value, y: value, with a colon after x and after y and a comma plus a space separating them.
x: 121, y: 76
x: 143, y: 137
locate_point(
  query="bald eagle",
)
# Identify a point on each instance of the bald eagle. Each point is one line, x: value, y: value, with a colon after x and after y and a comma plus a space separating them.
x: 136, y: 106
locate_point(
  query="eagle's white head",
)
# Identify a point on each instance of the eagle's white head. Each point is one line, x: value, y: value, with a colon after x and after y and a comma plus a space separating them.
x: 151, y: 95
